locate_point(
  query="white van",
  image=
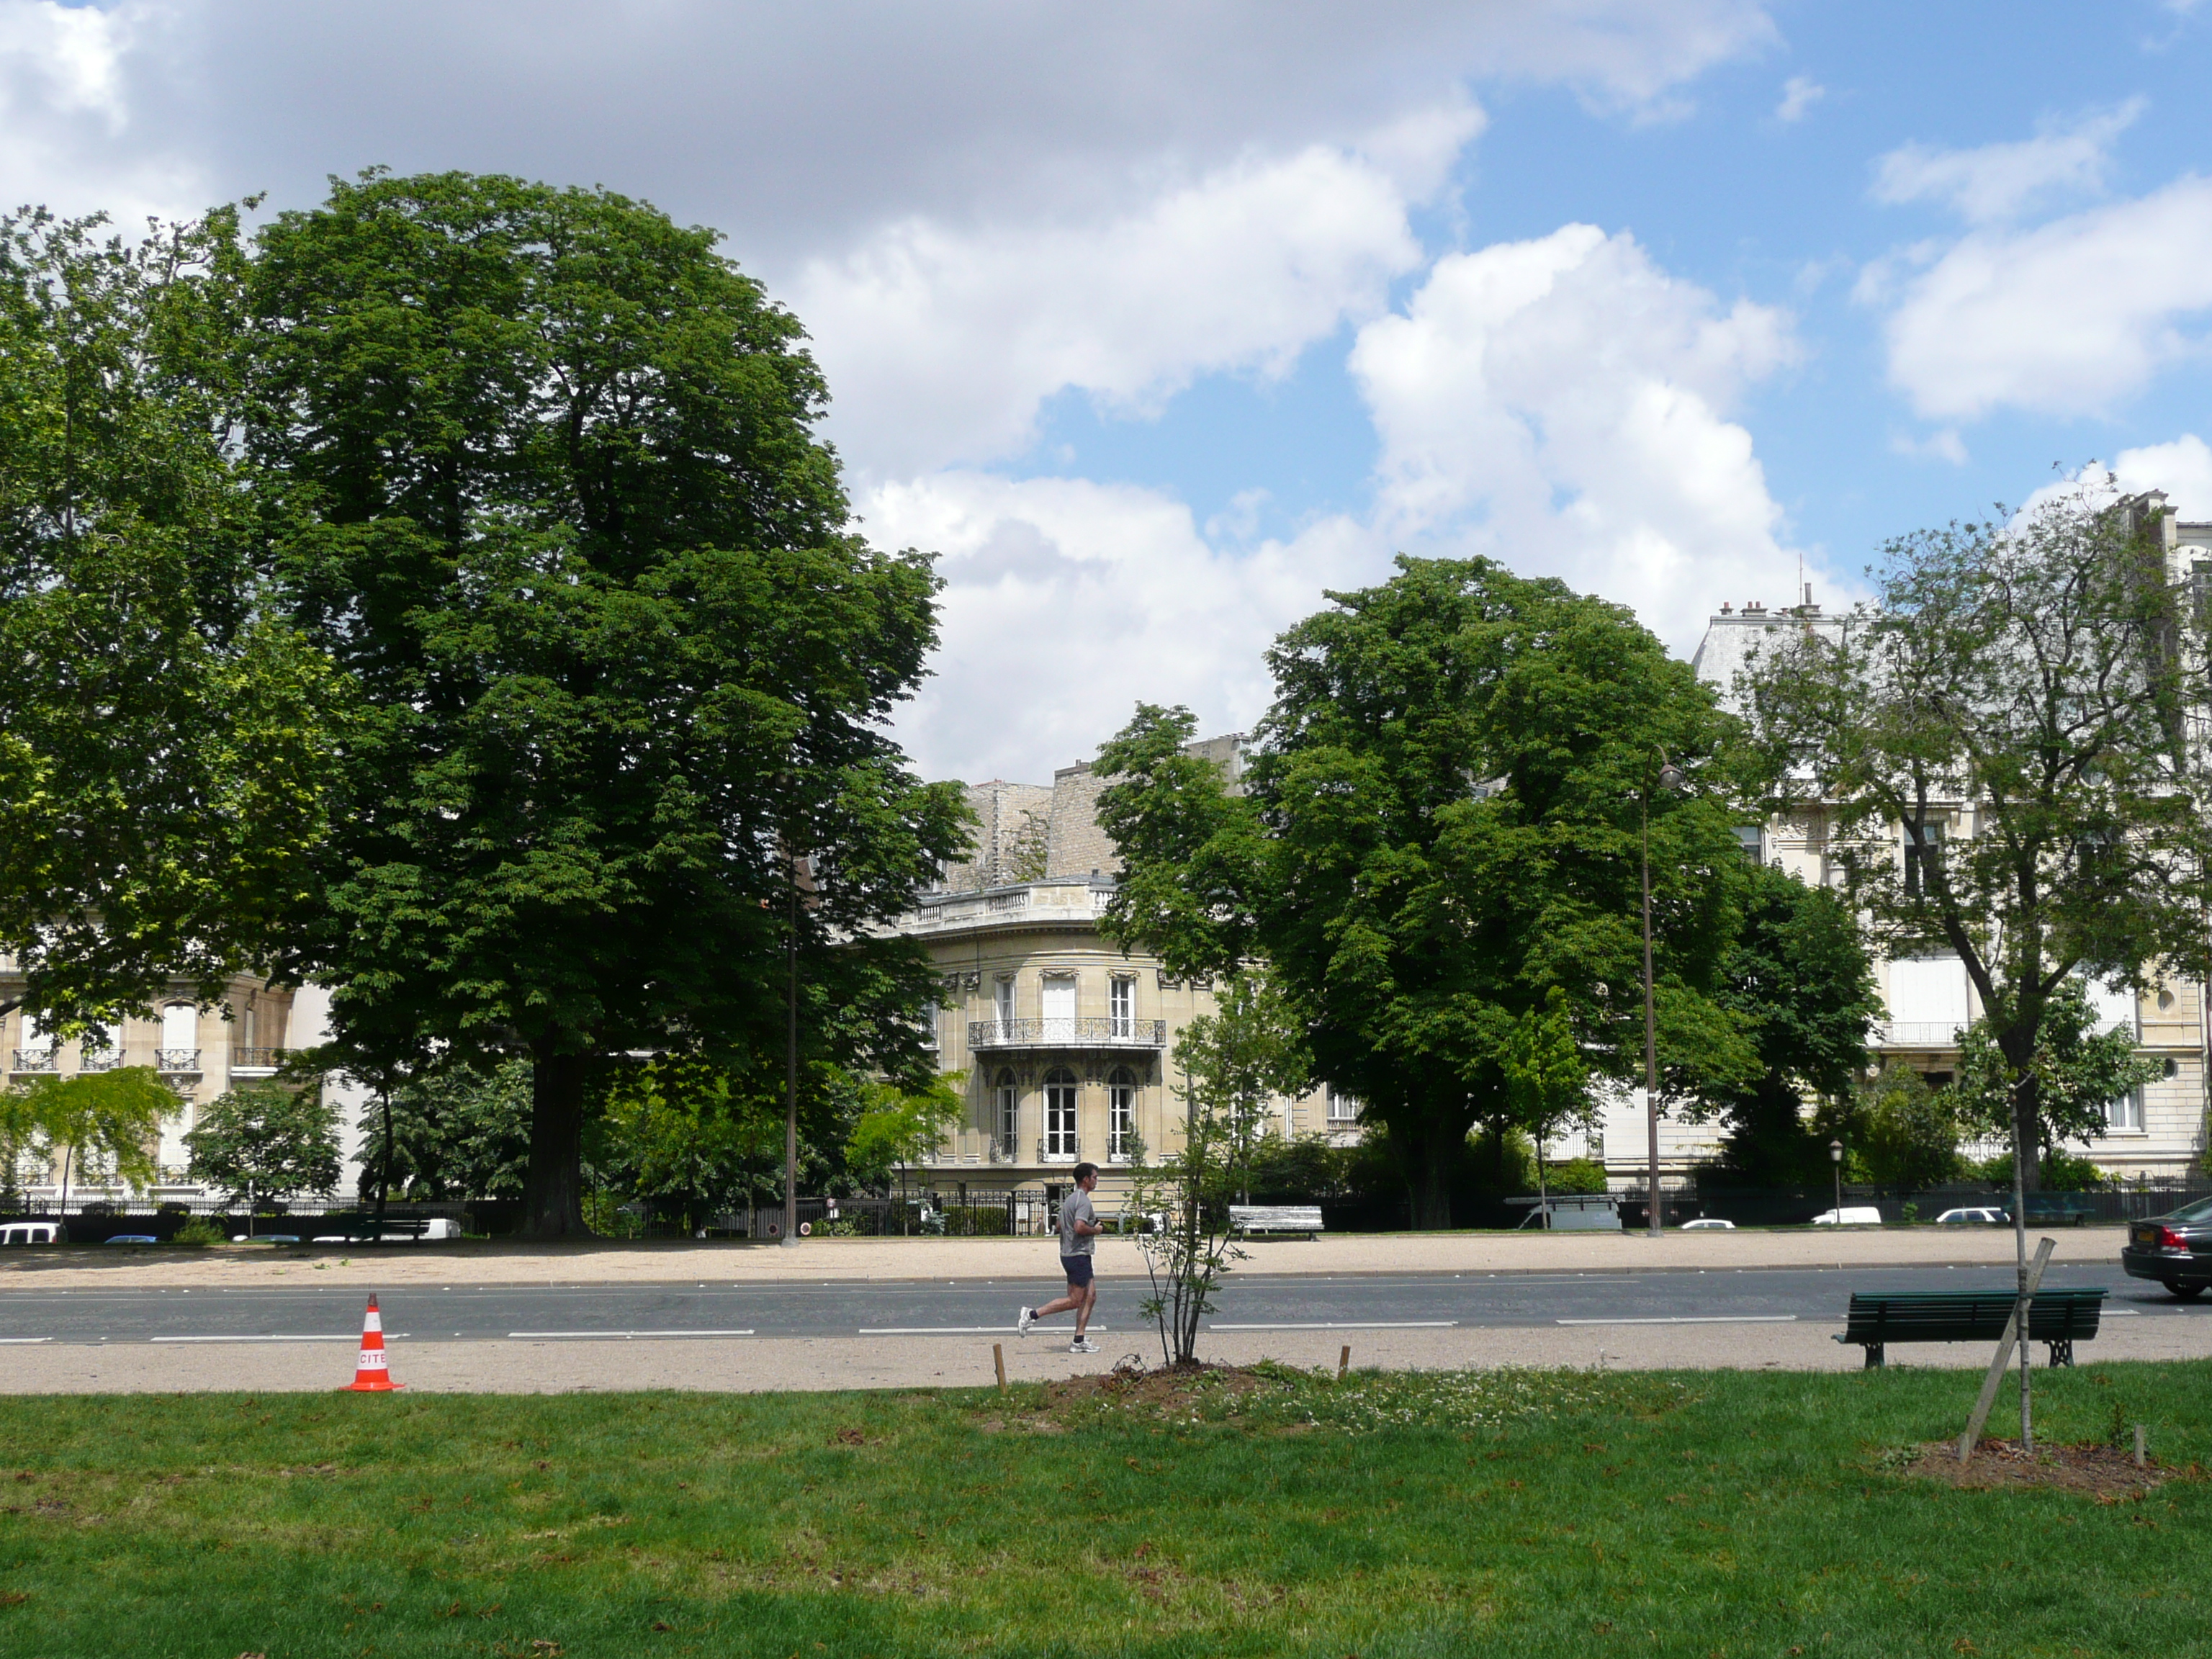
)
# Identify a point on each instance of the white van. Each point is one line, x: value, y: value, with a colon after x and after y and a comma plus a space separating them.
x: 1851, y: 1215
x: 28, y: 1233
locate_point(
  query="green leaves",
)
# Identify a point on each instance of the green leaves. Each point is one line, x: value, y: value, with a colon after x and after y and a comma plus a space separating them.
x: 168, y: 748
x: 1996, y: 751
x: 106, y: 1122
x: 266, y: 1137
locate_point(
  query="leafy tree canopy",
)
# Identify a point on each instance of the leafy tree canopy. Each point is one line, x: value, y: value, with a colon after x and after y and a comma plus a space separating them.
x: 457, y: 1132
x: 1441, y: 825
x: 165, y: 733
x: 1999, y: 746
x: 105, y: 1124
x: 266, y: 1137
x: 2079, y: 1070
x: 551, y: 498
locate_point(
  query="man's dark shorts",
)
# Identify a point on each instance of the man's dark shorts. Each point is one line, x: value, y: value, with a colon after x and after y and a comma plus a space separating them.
x: 1079, y: 1269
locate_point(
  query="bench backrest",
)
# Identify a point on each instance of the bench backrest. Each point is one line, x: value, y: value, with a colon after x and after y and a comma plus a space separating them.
x: 2055, y: 1315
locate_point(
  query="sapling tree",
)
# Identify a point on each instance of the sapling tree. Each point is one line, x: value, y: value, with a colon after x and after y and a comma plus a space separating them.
x: 266, y: 1139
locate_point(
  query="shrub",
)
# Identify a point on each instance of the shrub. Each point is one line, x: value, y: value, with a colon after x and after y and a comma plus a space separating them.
x: 1576, y: 1175
x: 199, y: 1231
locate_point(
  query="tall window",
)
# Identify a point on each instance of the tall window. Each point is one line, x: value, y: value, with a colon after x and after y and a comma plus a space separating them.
x: 35, y: 1043
x: 1121, y: 1115
x: 929, y: 1024
x: 1059, y: 1008
x: 1922, y: 857
x: 1006, y: 1113
x: 1121, y: 1008
x: 1002, y: 1007
x: 1342, y: 1109
x: 2125, y: 1114
x: 1059, y: 1113
x: 180, y: 1037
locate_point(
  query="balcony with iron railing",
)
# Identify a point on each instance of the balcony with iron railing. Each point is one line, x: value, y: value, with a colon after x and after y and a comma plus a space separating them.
x: 247, y: 1060
x: 1087, y: 1031
x: 176, y: 1060
x: 1915, y: 1033
x: 33, y: 1060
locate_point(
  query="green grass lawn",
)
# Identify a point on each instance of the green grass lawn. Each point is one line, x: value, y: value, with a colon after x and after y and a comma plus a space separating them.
x: 1521, y: 1513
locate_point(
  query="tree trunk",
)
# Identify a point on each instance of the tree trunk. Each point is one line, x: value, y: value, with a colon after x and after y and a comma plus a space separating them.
x: 552, y: 1191
x: 1429, y: 1184
x: 2026, y: 1139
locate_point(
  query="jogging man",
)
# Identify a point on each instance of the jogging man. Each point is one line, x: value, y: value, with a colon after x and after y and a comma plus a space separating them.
x: 1079, y: 1237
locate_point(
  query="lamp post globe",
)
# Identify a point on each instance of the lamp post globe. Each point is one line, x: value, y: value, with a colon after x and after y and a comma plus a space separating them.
x: 1836, y: 1156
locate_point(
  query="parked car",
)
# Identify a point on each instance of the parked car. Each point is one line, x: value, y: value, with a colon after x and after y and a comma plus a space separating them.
x: 1851, y: 1215
x: 264, y: 1238
x: 132, y: 1238
x: 1974, y: 1217
x: 30, y: 1232
x: 2174, y: 1250
x: 1708, y: 1223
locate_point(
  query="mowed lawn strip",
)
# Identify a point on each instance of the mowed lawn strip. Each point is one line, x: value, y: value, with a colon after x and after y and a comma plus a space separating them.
x: 1559, y: 1513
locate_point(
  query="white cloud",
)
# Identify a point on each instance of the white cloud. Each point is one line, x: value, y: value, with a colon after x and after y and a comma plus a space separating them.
x: 2183, y: 469
x: 1941, y: 445
x: 1799, y: 94
x: 68, y: 135
x: 943, y: 345
x: 1998, y: 182
x: 1561, y: 403
x: 2065, y: 318
x: 1067, y: 601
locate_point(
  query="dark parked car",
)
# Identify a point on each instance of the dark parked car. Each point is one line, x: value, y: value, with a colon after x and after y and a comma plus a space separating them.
x: 2174, y: 1250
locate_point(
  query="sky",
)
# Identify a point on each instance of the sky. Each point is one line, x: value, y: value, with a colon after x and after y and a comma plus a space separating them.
x: 1156, y: 322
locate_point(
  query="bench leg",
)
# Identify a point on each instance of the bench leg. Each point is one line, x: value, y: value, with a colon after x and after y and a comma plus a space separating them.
x: 1874, y: 1357
x: 2061, y: 1353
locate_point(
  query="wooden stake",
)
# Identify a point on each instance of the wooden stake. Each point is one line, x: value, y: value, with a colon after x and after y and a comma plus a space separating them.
x: 2143, y: 1446
x: 999, y: 1360
x: 1989, y: 1397
x: 1344, y: 1362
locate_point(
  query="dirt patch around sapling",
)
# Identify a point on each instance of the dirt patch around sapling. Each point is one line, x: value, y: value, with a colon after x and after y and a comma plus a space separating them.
x: 2108, y: 1474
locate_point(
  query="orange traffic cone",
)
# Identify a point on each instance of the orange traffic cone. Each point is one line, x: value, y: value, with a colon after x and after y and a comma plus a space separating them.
x: 370, y: 1375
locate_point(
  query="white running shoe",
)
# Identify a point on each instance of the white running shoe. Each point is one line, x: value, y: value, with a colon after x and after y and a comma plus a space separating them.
x: 1083, y: 1344
x: 1023, y: 1319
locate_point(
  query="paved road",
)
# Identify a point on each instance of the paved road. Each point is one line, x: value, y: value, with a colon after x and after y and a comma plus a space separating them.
x: 1251, y: 1302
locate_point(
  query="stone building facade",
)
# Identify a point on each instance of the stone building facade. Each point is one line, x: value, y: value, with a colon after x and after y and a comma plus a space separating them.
x: 2159, y: 1132
x: 1066, y: 1041
x: 200, y: 1053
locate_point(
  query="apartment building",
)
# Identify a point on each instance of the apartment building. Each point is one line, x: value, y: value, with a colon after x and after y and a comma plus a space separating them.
x: 2160, y: 1130
x: 1066, y: 1041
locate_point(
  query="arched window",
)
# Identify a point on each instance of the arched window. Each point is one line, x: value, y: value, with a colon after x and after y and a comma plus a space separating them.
x: 1006, y: 1114
x: 1121, y: 1115
x: 1059, y: 1113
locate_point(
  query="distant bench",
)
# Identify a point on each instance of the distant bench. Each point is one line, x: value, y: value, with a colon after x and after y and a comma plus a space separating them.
x: 1276, y: 1219
x: 2060, y: 1318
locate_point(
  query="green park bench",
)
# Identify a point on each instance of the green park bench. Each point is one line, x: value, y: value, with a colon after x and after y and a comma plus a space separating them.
x: 2059, y: 1209
x: 2060, y: 1318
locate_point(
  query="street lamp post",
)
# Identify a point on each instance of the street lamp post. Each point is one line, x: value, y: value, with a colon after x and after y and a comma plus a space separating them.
x: 1670, y: 778
x: 1836, y: 1156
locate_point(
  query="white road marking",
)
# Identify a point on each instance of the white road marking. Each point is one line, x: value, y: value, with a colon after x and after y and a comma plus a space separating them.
x: 1692, y: 1319
x: 1349, y: 1325
x: 963, y: 1330
x: 21, y: 1340
x: 353, y: 1336
x: 627, y: 1336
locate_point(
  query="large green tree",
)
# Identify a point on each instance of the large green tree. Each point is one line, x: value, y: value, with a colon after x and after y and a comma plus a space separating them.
x: 1441, y: 824
x: 1799, y: 978
x: 266, y: 1137
x: 164, y: 749
x: 2001, y: 746
x: 543, y: 481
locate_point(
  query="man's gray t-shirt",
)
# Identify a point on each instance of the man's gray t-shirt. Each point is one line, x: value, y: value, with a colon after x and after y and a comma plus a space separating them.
x: 1075, y: 1208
